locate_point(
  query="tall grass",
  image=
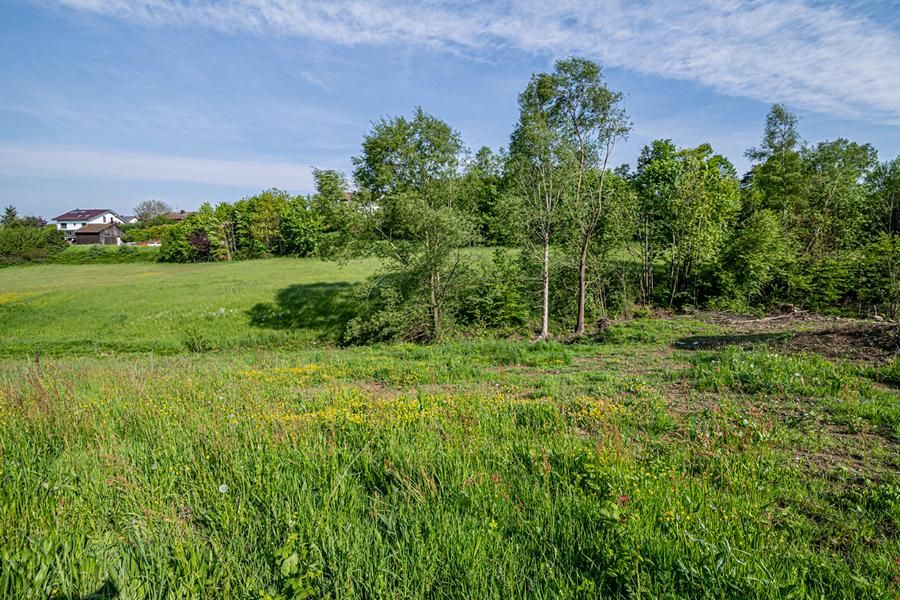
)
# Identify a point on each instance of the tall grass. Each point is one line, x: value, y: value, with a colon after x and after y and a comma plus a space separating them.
x: 175, y: 450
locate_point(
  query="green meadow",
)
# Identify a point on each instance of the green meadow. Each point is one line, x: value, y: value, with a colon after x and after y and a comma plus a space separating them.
x: 193, y: 431
x: 167, y: 308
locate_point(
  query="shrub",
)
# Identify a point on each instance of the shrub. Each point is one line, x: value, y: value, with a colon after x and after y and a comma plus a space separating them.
x: 878, y: 279
x: 98, y: 254
x: 22, y: 244
x: 494, y: 296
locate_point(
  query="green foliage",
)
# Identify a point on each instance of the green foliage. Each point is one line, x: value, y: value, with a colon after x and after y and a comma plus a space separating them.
x: 100, y: 254
x: 883, y: 186
x: 688, y: 202
x: 754, y: 261
x: 777, y: 180
x: 408, y: 209
x: 10, y: 217
x: 494, y: 297
x: 877, y: 283
x: 23, y: 244
x: 481, y: 185
x: 139, y: 233
x: 149, y: 212
x: 271, y: 223
x: 300, y: 229
x: 836, y: 210
x: 388, y: 310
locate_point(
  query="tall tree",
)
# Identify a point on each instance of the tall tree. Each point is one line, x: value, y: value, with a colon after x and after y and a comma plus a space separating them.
x: 687, y: 200
x: 884, y: 191
x: 705, y: 202
x: 408, y: 179
x: 481, y: 189
x: 655, y: 182
x: 147, y: 210
x: 777, y: 174
x: 10, y: 217
x: 590, y: 119
x: 538, y: 168
x: 834, y: 213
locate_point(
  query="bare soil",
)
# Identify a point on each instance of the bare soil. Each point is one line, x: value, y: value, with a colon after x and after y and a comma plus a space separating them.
x: 798, y: 331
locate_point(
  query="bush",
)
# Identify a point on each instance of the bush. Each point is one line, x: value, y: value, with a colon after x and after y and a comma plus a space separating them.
x: 99, y: 254
x: 878, y: 279
x: 23, y: 244
x: 387, y: 313
x: 141, y: 233
x: 755, y: 256
x: 493, y: 297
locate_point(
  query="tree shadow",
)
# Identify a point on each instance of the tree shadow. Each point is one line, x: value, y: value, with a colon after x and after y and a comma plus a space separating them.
x: 713, y: 342
x: 322, y: 307
x: 107, y: 591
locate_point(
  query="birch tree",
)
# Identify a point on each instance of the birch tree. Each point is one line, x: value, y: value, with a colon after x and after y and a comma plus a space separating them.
x: 537, y: 167
x: 590, y: 119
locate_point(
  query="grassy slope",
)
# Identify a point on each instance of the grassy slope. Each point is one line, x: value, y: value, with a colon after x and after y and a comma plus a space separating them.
x: 479, y: 469
x: 89, y: 308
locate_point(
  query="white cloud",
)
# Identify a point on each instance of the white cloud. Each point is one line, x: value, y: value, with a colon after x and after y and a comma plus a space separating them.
x: 817, y: 57
x: 35, y: 161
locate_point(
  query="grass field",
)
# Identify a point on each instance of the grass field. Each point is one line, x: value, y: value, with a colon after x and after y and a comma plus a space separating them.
x: 165, y: 446
x: 167, y: 308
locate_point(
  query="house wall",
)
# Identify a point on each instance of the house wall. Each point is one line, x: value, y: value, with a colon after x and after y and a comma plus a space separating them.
x: 87, y: 238
x: 72, y: 226
x: 111, y: 237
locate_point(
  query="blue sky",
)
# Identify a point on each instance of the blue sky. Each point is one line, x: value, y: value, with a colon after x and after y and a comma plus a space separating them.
x: 109, y: 102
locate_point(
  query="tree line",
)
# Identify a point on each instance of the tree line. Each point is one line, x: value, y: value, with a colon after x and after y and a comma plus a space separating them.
x: 27, y: 238
x: 809, y: 224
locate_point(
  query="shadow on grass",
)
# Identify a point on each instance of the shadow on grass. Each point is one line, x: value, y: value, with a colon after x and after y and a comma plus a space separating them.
x: 322, y: 307
x: 107, y: 591
x: 712, y: 342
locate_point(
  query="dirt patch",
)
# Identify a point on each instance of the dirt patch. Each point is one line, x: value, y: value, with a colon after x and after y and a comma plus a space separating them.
x: 870, y: 342
x: 799, y: 331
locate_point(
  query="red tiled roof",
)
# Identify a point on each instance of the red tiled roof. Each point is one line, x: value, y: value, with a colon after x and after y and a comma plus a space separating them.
x: 85, y: 214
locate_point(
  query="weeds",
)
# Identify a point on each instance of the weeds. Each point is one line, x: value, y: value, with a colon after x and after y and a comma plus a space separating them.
x: 624, y: 467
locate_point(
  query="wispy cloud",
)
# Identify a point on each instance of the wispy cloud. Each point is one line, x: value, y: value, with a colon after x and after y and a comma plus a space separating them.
x: 18, y: 160
x: 815, y: 56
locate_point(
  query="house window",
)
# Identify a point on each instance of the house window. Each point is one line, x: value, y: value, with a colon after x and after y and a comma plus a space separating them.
x: 83, y: 224
x: 62, y: 225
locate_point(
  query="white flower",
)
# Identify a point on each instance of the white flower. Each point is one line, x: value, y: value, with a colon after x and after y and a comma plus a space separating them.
x: 223, y: 488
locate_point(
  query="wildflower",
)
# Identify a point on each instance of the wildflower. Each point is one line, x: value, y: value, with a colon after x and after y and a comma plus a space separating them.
x: 223, y: 488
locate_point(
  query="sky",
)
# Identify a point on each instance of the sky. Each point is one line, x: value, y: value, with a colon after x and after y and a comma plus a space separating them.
x: 106, y: 103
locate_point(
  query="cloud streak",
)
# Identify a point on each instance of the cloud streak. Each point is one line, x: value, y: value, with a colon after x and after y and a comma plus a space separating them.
x: 18, y: 160
x: 818, y: 57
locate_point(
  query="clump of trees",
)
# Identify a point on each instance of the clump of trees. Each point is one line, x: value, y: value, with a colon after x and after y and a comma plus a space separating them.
x: 810, y: 224
x: 272, y: 223
x: 813, y: 225
x: 151, y: 212
x: 27, y: 239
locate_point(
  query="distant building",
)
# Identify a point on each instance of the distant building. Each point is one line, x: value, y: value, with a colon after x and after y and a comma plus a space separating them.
x: 177, y: 216
x: 107, y: 234
x: 74, y: 220
x: 129, y: 219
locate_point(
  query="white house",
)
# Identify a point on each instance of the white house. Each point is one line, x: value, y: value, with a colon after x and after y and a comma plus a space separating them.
x: 74, y: 220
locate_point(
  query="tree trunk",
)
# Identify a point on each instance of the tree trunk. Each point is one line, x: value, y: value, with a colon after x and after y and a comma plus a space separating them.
x: 545, y: 308
x: 435, y: 306
x: 582, y: 286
